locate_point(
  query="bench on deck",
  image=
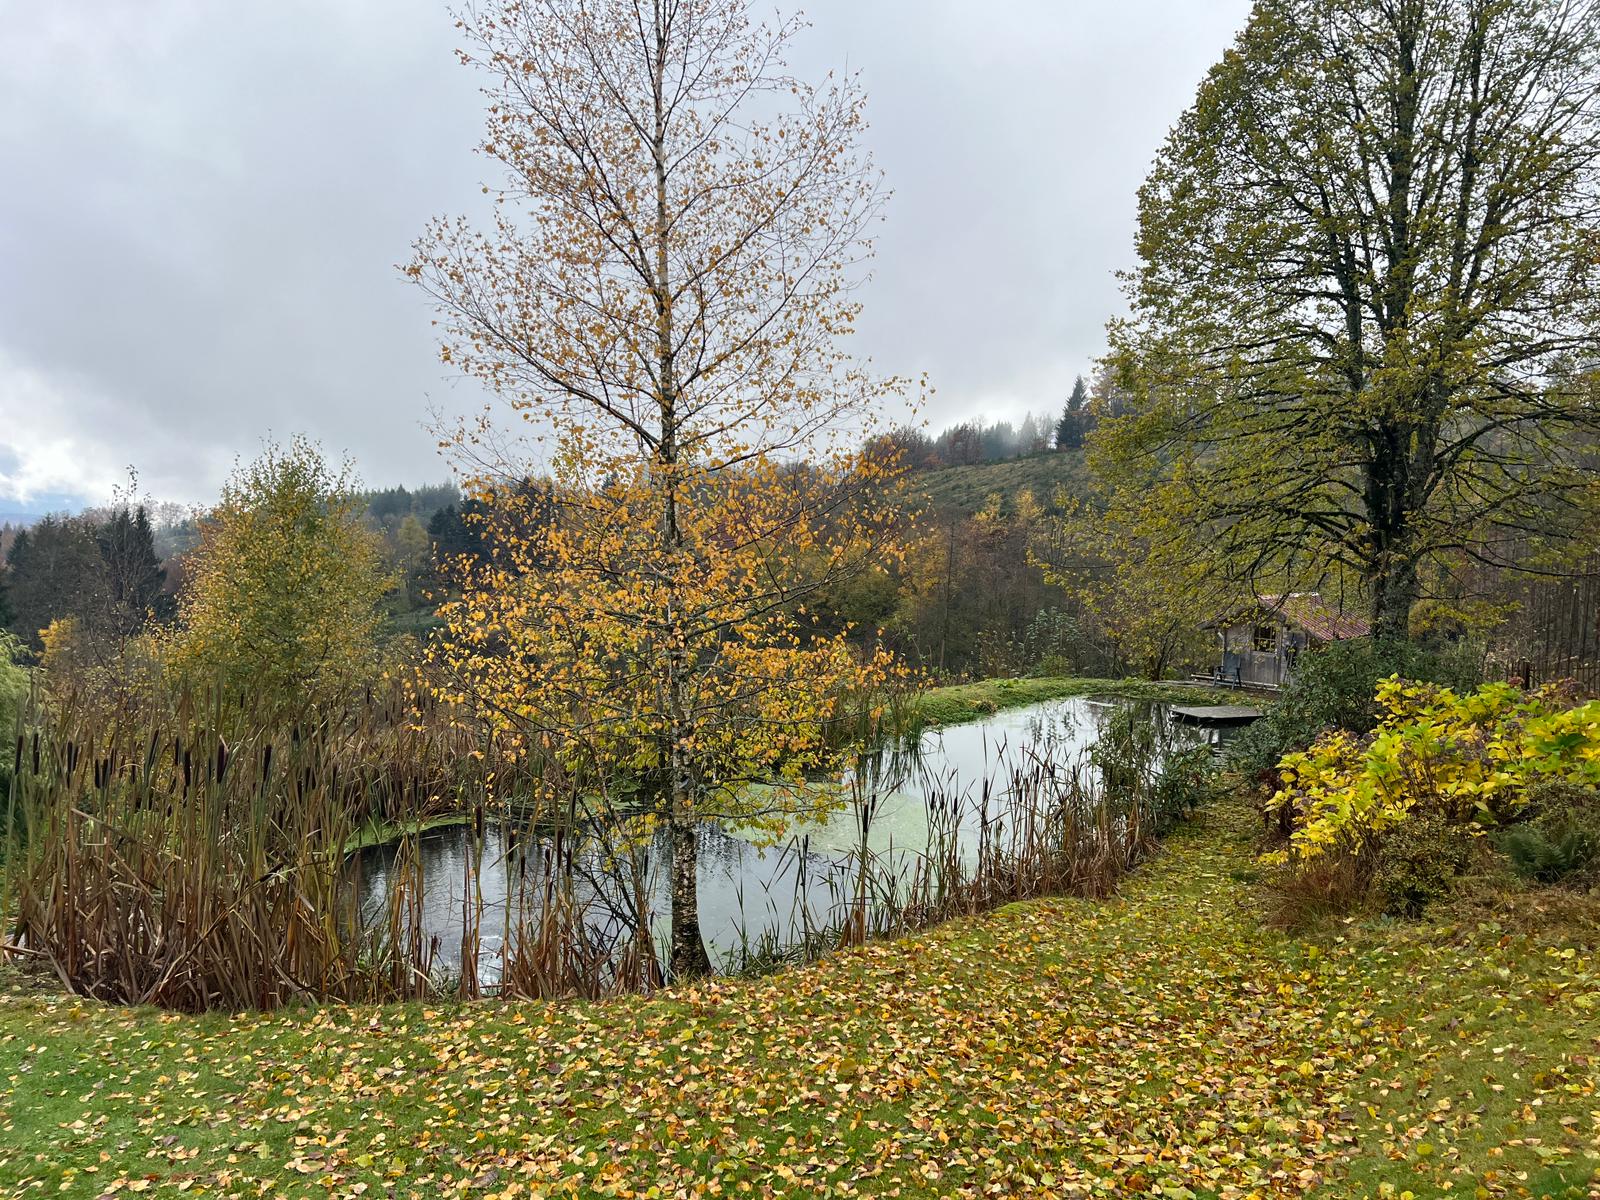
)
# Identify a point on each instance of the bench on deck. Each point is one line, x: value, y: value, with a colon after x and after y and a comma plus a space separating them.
x: 1231, y: 679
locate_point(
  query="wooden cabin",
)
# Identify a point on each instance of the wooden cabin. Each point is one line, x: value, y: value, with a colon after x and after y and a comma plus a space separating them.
x: 1261, y: 645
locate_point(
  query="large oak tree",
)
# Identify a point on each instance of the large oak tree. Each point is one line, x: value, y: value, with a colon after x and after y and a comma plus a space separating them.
x: 1366, y: 317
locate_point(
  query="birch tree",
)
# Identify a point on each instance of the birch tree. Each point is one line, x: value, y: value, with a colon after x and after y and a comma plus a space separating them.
x: 659, y: 300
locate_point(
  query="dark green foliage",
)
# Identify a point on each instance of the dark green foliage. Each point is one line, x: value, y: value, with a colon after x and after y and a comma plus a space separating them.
x: 1419, y: 861
x: 458, y: 530
x: 1334, y: 688
x: 104, y: 574
x: 1560, y: 842
x: 13, y: 696
x: 1186, y: 780
x: 1058, y: 643
x: 134, y: 574
x: 55, y: 569
x: 864, y: 602
x: 1076, y: 419
x: 1140, y: 754
x: 1549, y: 855
x: 453, y: 535
x: 1128, y: 748
x: 390, y: 506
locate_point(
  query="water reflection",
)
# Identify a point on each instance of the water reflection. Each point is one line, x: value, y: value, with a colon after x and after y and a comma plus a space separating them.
x: 484, y: 879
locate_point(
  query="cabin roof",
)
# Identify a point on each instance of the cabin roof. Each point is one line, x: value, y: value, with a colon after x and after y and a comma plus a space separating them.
x: 1308, y: 611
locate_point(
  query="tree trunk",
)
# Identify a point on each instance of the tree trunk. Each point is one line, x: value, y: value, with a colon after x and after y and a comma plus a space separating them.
x: 688, y: 948
x: 1392, y: 508
x: 1394, y: 591
x: 688, y: 951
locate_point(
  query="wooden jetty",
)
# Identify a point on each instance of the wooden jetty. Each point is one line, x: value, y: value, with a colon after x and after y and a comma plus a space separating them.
x: 1215, y: 714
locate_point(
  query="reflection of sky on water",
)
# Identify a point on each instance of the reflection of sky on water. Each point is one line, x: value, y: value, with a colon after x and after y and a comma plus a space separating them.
x: 745, y: 887
x: 955, y: 760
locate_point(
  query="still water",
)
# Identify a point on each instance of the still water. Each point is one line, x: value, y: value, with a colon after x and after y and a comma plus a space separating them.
x: 747, y: 887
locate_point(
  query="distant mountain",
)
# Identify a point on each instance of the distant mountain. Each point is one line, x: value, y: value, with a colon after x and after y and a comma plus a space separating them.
x: 17, y: 510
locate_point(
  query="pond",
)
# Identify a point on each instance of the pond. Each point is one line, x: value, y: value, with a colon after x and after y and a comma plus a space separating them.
x: 944, y: 790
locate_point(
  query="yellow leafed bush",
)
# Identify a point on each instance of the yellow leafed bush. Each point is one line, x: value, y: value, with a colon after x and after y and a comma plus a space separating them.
x: 1468, y: 758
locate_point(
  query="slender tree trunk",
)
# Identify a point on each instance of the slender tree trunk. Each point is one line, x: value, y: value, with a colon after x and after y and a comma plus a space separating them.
x: 688, y: 948
x: 688, y: 951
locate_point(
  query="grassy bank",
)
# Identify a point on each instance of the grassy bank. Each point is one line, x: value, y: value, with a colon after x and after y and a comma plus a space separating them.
x: 968, y: 701
x: 1057, y: 1048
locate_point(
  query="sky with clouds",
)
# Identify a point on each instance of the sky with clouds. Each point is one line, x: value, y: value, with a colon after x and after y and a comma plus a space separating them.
x: 204, y: 203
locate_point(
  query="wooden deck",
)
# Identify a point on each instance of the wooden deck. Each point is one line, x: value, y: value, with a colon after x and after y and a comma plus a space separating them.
x: 1216, y: 714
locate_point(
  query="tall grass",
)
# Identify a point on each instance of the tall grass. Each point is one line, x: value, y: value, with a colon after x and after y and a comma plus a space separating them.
x: 1031, y: 826
x: 155, y: 859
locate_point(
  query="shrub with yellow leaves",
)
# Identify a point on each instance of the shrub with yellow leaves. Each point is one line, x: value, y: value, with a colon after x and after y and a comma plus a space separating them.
x: 1467, y: 759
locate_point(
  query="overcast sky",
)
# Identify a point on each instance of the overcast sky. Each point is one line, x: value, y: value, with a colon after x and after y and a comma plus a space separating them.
x: 202, y: 202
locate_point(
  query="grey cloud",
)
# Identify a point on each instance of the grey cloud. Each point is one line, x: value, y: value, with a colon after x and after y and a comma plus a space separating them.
x: 203, y: 203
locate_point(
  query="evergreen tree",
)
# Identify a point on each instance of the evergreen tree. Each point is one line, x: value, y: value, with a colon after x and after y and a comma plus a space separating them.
x: 456, y: 533
x: 133, y: 570
x: 1074, y: 419
x: 55, y: 570
x: 999, y: 441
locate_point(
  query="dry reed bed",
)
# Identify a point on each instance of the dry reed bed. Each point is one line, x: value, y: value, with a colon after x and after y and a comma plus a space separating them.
x: 164, y: 862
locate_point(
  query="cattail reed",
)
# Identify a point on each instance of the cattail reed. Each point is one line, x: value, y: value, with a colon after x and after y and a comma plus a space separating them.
x: 202, y: 855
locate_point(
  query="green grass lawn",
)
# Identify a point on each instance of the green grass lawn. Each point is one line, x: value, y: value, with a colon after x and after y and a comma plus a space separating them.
x: 1164, y: 1043
x: 968, y: 701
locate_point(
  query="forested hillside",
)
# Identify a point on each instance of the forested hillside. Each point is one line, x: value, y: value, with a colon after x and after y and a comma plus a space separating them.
x: 967, y: 489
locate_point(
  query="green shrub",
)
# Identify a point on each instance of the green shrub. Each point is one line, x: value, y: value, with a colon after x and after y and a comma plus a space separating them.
x: 1336, y: 688
x: 1055, y: 666
x: 1475, y: 758
x: 1560, y: 842
x: 1136, y: 757
x: 1188, y: 777
x: 1439, y: 770
x: 13, y: 693
x: 1419, y: 862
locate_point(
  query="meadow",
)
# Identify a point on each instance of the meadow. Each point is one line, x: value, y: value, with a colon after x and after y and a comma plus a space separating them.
x: 1164, y: 1042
